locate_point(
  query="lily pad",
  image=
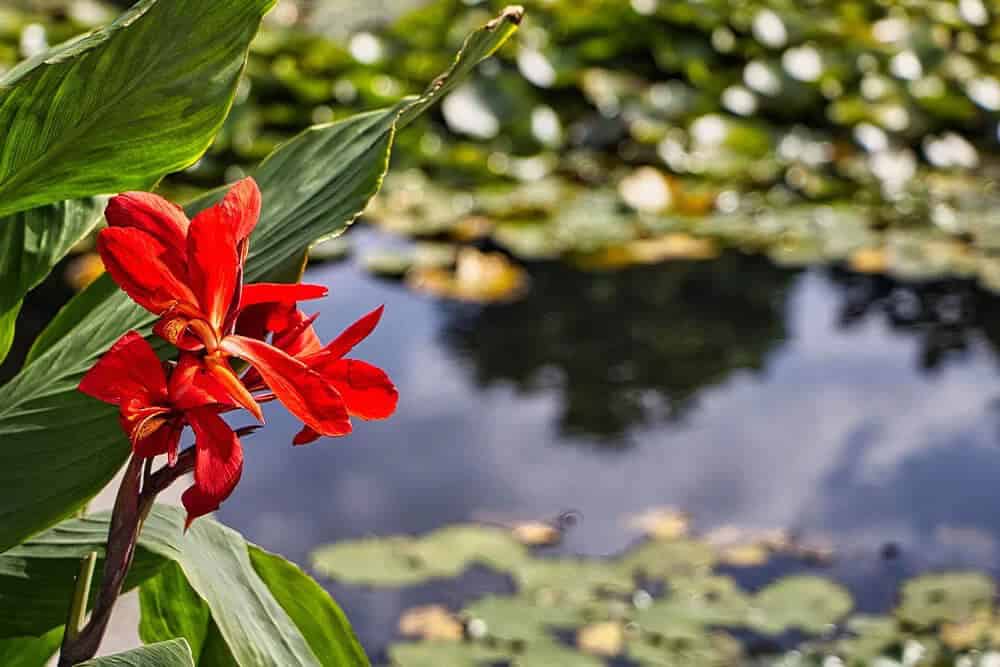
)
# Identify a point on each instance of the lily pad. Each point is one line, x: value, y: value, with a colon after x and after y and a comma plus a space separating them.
x: 951, y: 597
x: 439, y: 653
x: 806, y: 603
x: 401, y: 561
x: 704, y: 601
x: 668, y: 559
x: 520, y: 618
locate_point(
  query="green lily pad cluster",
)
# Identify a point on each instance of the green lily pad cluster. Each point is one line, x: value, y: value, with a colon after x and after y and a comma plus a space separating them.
x: 662, y: 602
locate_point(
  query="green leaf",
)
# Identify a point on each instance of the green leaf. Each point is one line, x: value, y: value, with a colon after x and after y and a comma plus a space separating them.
x: 313, y: 187
x: 172, y: 608
x: 31, y: 243
x: 7, y: 319
x: 256, y: 628
x: 118, y: 108
x: 232, y: 602
x: 99, y: 293
x: 30, y: 651
x: 174, y: 653
x: 312, y: 609
x: 169, y: 607
x: 37, y: 577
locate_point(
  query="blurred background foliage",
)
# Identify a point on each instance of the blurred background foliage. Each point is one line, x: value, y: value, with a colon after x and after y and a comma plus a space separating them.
x: 614, y: 133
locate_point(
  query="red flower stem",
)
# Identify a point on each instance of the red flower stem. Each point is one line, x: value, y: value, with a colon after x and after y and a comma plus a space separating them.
x: 132, y: 506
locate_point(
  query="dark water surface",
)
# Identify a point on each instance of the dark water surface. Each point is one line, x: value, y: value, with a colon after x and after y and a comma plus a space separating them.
x: 841, y: 407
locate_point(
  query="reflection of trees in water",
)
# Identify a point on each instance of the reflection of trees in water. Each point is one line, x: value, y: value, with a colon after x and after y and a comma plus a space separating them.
x: 947, y: 316
x: 625, y: 349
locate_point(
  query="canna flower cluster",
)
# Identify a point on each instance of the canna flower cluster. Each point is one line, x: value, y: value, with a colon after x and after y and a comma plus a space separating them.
x: 189, y: 273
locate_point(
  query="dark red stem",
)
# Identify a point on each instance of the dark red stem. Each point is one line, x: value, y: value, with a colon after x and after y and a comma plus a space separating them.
x: 132, y: 505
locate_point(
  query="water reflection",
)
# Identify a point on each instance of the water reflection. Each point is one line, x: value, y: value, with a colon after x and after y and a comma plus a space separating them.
x: 626, y: 349
x: 947, y: 316
x: 805, y: 399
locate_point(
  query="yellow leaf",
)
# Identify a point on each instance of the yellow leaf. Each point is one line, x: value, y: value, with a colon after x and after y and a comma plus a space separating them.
x: 604, y: 638
x: 432, y: 622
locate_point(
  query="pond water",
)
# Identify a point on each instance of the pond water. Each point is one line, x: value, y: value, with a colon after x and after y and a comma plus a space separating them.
x: 845, y: 408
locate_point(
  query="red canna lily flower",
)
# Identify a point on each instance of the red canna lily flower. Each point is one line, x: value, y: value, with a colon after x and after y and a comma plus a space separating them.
x: 155, y: 406
x: 190, y: 274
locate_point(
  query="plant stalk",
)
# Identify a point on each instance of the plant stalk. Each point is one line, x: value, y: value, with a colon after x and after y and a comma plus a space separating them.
x: 81, y: 594
x: 132, y: 505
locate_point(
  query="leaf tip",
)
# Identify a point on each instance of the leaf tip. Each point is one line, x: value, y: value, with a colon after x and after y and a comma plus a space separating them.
x: 512, y: 13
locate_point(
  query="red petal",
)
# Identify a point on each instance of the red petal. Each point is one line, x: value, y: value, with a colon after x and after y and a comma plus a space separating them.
x: 305, y: 436
x: 130, y: 370
x: 300, y: 338
x: 366, y: 389
x: 219, y: 456
x: 197, y: 504
x: 213, y: 265
x: 354, y: 334
x: 163, y: 440
x: 255, y: 293
x: 192, y: 385
x: 152, y: 214
x: 148, y: 271
x: 222, y: 372
x: 241, y: 206
x: 302, y: 390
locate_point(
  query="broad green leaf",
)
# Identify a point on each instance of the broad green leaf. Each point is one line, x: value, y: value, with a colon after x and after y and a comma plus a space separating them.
x: 208, y: 585
x: 169, y: 608
x: 97, y: 294
x: 30, y: 651
x: 31, y: 243
x: 118, y: 108
x: 37, y: 577
x: 313, y: 187
x: 312, y: 609
x: 256, y: 628
x: 172, y: 608
x: 7, y: 319
x: 173, y: 653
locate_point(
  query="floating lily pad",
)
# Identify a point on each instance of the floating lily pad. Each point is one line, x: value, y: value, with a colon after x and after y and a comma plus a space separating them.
x: 952, y: 597
x: 400, y: 561
x: 521, y: 618
x: 685, y: 645
x: 478, y: 277
x: 666, y: 559
x: 701, y: 601
x: 553, y: 654
x: 330, y: 250
x: 431, y: 622
x: 809, y: 604
x: 572, y: 580
x: 440, y: 653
